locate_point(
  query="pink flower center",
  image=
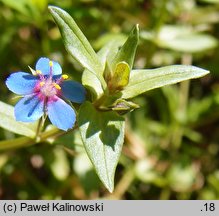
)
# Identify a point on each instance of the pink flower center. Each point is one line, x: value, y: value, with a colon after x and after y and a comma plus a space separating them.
x: 47, y: 87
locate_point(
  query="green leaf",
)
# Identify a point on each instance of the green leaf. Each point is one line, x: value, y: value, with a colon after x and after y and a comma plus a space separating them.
x: 127, y: 51
x: 108, y: 52
x: 89, y: 80
x: 145, y: 80
x: 75, y: 42
x: 190, y: 43
x: 107, y: 38
x: 8, y: 122
x: 181, y: 38
x: 184, y: 39
x: 120, y: 77
x: 103, y: 135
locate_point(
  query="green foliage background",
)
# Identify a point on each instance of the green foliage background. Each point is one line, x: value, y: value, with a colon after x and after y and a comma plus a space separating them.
x: 171, y: 148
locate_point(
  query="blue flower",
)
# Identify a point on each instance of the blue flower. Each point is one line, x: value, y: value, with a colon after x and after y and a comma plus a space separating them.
x: 44, y: 93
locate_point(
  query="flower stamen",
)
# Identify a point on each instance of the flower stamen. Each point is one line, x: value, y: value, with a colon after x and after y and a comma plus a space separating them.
x: 57, y: 86
x: 50, y: 65
x: 64, y: 76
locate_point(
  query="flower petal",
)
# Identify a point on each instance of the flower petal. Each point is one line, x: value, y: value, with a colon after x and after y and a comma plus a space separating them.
x: 73, y: 91
x: 61, y: 114
x: 29, y: 109
x: 21, y: 83
x: 43, y: 65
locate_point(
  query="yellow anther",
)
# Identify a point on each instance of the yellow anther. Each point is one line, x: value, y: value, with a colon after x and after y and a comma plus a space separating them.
x: 50, y: 63
x: 65, y: 76
x: 42, y: 84
x: 56, y: 86
x: 38, y: 72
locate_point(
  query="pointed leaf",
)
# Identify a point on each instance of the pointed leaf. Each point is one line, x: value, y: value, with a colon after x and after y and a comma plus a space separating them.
x: 8, y: 122
x: 103, y: 135
x: 75, y: 42
x: 108, y: 52
x: 89, y: 80
x: 127, y: 51
x: 145, y: 80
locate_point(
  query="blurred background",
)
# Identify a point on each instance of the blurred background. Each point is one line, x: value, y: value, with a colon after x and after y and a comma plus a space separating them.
x: 171, y: 148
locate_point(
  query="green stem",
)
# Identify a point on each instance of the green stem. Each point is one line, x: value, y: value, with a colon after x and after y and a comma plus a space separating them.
x: 54, y: 133
x: 40, y: 127
x: 26, y: 141
x: 48, y: 134
x: 100, y: 101
x: 16, y: 143
x: 183, y: 103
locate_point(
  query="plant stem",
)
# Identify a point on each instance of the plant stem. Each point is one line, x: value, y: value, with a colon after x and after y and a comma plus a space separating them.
x: 123, y: 184
x: 183, y: 103
x: 16, y: 143
x: 40, y: 127
x: 26, y: 141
